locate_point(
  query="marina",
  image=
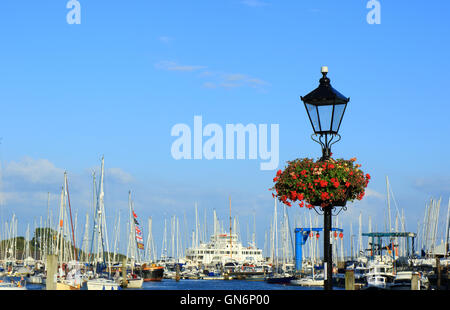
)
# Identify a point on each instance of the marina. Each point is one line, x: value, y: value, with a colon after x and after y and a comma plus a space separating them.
x: 384, y: 260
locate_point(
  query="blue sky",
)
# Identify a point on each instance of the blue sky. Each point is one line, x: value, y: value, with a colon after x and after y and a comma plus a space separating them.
x: 118, y: 82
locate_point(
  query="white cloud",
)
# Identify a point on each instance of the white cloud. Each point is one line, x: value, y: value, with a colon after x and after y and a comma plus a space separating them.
x: 235, y: 77
x: 33, y: 171
x: 209, y: 85
x: 254, y: 3
x: 234, y: 80
x: 165, y: 39
x: 374, y: 194
x: 26, y: 184
x: 119, y: 175
x: 215, y: 79
x: 434, y: 185
x: 173, y: 66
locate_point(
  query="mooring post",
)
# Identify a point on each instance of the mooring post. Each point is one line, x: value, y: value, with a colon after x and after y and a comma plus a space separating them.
x: 177, y: 275
x: 415, y: 282
x: 51, y: 272
x: 349, y: 280
x: 438, y: 271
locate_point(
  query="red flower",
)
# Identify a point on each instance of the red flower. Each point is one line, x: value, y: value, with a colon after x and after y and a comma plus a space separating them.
x: 301, y: 204
x: 323, y: 183
x: 275, y: 179
x: 300, y: 196
x: 303, y: 172
x: 360, y: 196
x: 347, y: 184
x: 279, y: 172
x: 325, y: 196
x: 368, y: 176
x: 293, y: 196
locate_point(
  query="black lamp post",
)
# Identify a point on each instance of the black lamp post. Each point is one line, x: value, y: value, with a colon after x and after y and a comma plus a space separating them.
x: 325, y: 107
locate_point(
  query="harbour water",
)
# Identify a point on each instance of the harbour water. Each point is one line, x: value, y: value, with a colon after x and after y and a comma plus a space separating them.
x: 201, y: 285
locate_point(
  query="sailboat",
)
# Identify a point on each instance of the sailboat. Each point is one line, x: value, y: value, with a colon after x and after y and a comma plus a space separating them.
x: 135, y: 244
x: 102, y: 281
x: 150, y: 271
x: 73, y: 279
x: 277, y: 277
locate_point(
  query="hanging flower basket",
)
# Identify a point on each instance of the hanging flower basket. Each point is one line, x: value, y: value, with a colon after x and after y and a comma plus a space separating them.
x: 320, y: 183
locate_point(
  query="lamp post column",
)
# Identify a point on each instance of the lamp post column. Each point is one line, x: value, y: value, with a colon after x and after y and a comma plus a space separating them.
x: 327, y: 251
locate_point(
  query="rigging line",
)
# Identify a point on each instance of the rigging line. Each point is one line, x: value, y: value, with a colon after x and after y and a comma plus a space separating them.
x: 396, y: 205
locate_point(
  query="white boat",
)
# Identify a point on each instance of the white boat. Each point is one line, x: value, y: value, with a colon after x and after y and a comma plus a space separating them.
x: 102, y: 284
x: 309, y: 281
x: 403, y: 281
x: 11, y: 286
x: 100, y: 235
x: 35, y: 279
x: 135, y: 283
x: 379, y: 275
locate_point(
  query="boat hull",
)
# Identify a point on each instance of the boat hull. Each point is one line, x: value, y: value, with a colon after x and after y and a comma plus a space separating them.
x: 279, y: 280
x: 135, y: 283
x: 102, y: 285
x: 152, y: 273
x: 67, y: 287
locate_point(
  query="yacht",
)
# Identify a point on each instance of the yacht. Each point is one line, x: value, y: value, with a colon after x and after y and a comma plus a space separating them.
x: 102, y: 284
x: 403, y: 279
x: 379, y: 275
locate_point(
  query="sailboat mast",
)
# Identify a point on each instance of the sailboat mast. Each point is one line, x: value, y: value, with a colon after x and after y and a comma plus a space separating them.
x: 389, y: 203
x: 70, y: 213
x: 447, y: 229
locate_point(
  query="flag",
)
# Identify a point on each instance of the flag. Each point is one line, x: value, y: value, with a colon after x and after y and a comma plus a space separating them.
x: 138, y: 231
x: 139, y: 239
x: 135, y: 217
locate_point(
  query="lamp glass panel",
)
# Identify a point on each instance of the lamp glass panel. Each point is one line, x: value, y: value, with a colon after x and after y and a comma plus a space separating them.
x: 312, y: 112
x: 338, y: 113
x: 325, y: 114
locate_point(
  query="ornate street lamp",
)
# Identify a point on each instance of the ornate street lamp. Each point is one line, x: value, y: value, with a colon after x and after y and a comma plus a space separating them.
x: 326, y: 107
